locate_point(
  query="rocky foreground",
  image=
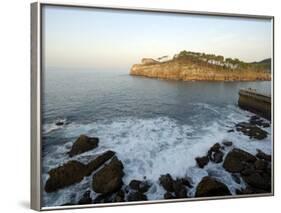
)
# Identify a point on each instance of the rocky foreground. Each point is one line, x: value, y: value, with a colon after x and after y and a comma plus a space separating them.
x: 106, y: 172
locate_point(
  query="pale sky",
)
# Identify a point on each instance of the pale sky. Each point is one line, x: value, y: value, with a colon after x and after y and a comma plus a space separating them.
x: 107, y: 39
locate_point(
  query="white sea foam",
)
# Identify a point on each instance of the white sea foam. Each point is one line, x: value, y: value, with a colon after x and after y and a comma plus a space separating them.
x: 149, y: 148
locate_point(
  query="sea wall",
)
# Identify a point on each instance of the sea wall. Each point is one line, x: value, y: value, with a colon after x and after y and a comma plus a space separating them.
x: 188, y: 72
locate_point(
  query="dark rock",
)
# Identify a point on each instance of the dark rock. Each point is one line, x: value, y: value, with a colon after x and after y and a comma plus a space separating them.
x: 65, y: 175
x: 227, y: 143
x: 99, y: 161
x: 215, y: 154
x: 261, y: 164
x: 167, y: 182
x: 202, y: 161
x: 235, y: 159
x: 141, y: 186
x: 263, y: 156
x: 209, y: 187
x: 230, y: 130
x: 182, y: 193
x: 259, y: 180
x: 217, y: 157
x: 179, y: 188
x: 109, y: 178
x: 104, y: 198
x: 249, y: 190
x: 255, y: 120
x: 248, y: 169
x: 86, y: 198
x: 59, y: 123
x: 215, y: 148
x: 251, y: 130
x: 186, y: 181
x: 168, y: 195
x: 119, y: 196
x: 83, y: 144
x: 136, y: 196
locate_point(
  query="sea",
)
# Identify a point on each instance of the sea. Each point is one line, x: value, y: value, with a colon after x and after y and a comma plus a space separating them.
x: 155, y: 126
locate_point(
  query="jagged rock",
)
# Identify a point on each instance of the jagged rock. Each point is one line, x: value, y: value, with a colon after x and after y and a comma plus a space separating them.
x: 251, y: 130
x: 227, y: 143
x: 263, y: 156
x: 141, y: 186
x: 109, y: 178
x: 119, y: 197
x: 104, y: 198
x: 235, y: 160
x: 215, y: 154
x: 59, y: 123
x: 83, y: 144
x: 86, y: 198
x: 167, y: 182
x: 99, y: 161
x: 255, y: 120
x: 65, y: 175
x: 168, y: 195
x: 209, y: 187
x: 136, y: 196
x: 202, y: 161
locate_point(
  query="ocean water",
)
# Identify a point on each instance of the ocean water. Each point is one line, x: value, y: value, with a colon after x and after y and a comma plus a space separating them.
x: 154, y: 126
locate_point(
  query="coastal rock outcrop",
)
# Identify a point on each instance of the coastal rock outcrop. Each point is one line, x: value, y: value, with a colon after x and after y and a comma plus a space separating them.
x: 83, y: 144
x: 209, y: 187
x: 190, y: 66
x: 109, y: 178
x: 65, y: 175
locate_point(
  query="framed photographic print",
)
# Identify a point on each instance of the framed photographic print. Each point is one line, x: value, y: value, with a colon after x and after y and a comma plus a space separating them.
x: 139, y: 105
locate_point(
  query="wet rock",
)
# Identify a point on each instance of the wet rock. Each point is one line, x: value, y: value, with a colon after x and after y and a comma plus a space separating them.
x: 251, y: 130
x: 186, y: 181
x: 259, y: 180
x: 83, y: 144
x: 182, y: 193
x: 167, y: 182
x: 59, y: 123
x: 255, y: 120
x: 215, y: 154
x: 104, y: 198
x: 119, y: 197
x: 249, y: 190
x: 227, y: 143
x: 235, y: 160
x: 141, y: 186
x: 65, y: 175
x: 179, y: 188
x: 230, y: 130
x: 202, y: 161
x: 99, y: 161
x: 217, y: 157
x: 109, y: 178
x: 248, y: 169
x: 136, y: 196
x: 261, y: 165
x: 209, y: 187
x: 86, y: 198
x: 168, y: 195
x: 263, y: 156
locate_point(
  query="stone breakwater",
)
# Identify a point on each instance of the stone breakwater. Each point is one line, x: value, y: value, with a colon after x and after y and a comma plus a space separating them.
x: 106, y: 172
x: 176, y: 70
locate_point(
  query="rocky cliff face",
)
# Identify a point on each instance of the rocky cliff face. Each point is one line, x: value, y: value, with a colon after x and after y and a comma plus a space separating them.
x: 187, y: 70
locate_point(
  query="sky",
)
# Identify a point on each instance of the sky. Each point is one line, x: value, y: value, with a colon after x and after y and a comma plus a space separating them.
x: 109, y: 39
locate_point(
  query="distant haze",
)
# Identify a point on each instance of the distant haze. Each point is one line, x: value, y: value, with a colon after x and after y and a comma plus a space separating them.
x: 111, y: 39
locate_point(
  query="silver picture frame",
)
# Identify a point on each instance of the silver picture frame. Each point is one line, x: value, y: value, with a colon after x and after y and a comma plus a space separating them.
x: 36, y: 98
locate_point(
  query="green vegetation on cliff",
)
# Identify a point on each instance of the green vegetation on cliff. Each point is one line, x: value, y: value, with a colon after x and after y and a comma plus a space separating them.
x: 201, y: 66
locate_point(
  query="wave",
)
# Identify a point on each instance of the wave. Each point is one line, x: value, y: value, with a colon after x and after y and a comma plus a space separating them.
x: 152, y: 147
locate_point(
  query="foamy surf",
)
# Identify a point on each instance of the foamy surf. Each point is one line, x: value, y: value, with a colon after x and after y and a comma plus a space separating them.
x: 152, y: 147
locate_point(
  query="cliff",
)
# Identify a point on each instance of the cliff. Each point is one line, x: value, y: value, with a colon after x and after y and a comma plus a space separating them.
x: 201, y: 67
